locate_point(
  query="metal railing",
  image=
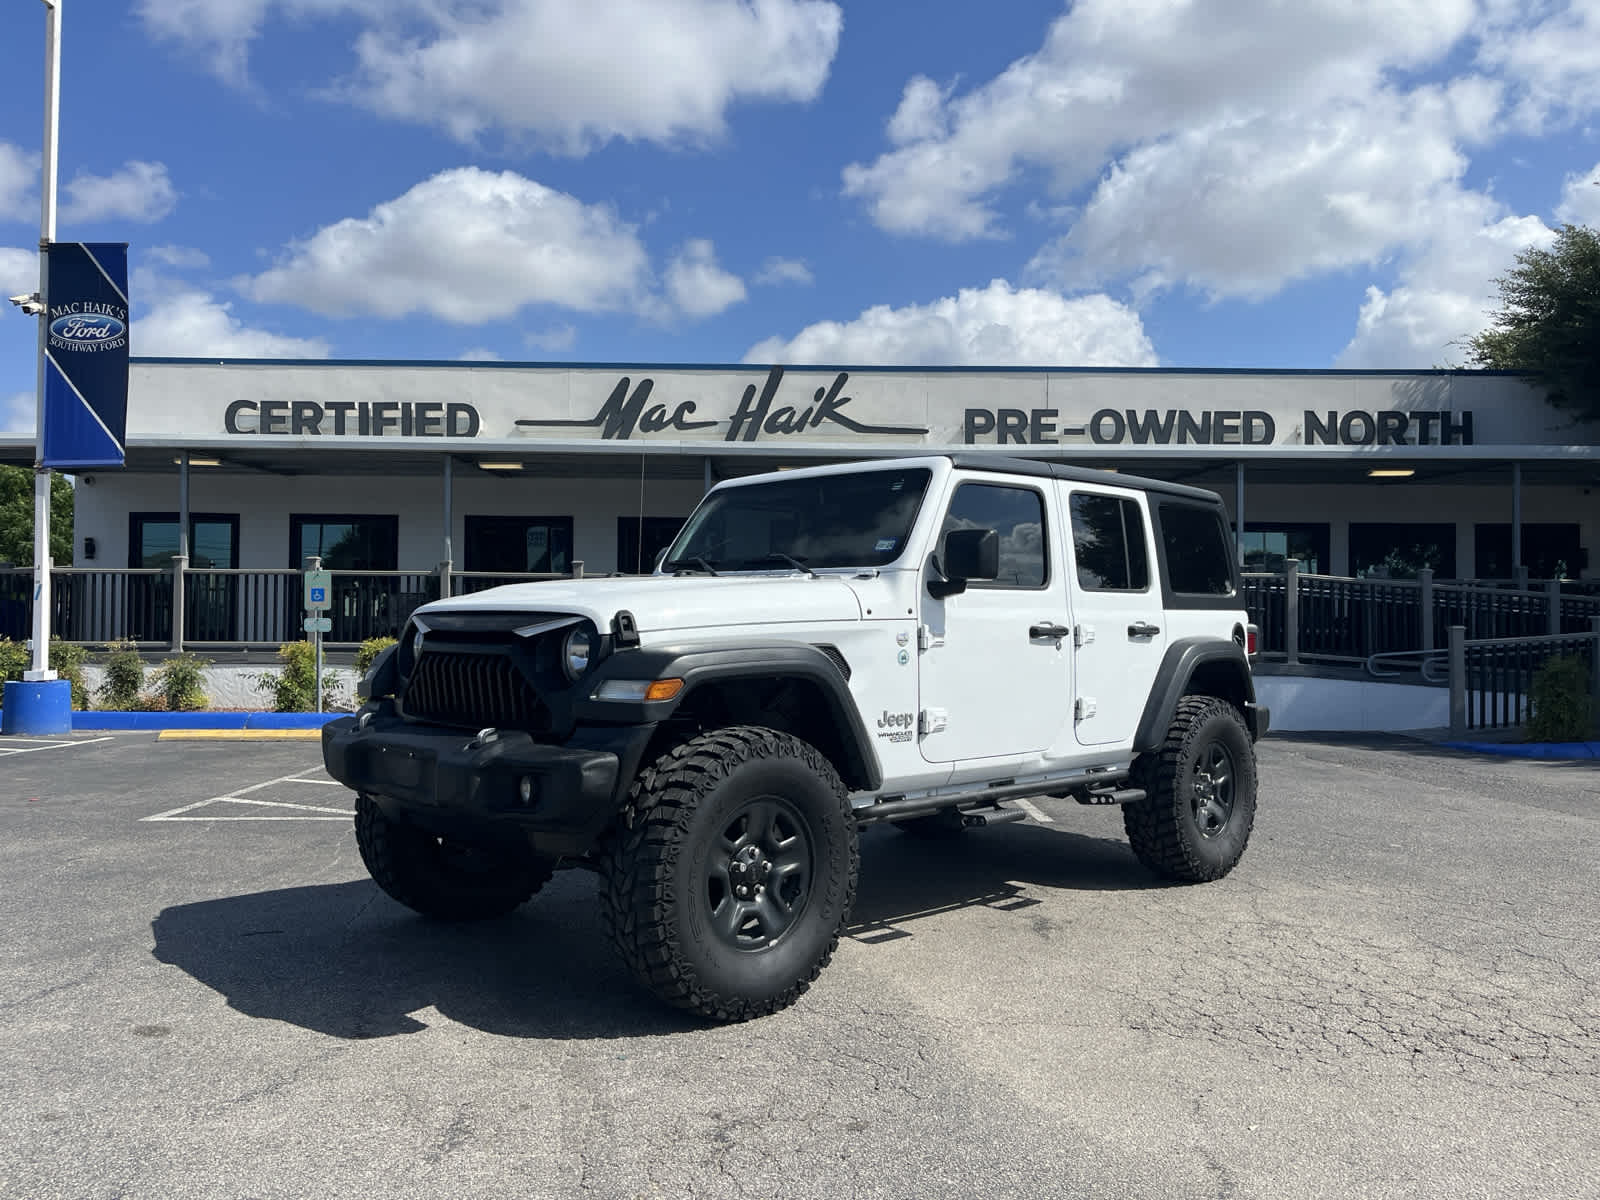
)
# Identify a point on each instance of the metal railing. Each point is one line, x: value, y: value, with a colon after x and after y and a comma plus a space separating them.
x: 208, y: 607
x: 1335, y: 619
x: 1491, y: 680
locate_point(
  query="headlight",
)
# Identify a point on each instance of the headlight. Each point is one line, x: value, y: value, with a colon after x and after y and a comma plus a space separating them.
x: 576, y: 652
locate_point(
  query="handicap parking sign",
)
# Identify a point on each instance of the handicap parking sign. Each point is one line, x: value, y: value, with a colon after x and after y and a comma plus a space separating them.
x: 318, y: 585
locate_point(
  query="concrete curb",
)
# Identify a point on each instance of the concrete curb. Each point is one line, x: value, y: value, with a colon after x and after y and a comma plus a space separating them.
x: 1532, y: 749
x: 156, y: 721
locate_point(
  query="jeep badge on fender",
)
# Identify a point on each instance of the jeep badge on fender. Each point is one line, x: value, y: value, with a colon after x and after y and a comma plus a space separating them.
x: 908, y: 641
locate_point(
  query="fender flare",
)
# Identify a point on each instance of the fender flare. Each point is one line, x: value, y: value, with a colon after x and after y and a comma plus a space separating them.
x: 1178, y: 666
x: 702, y: 666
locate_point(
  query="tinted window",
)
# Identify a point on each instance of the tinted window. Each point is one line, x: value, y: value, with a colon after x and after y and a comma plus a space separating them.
x: 1108, y: 540
x: 1391, y: 550
x: 1017, y: 515
x: 860, y: 519
x: 1199, y: 558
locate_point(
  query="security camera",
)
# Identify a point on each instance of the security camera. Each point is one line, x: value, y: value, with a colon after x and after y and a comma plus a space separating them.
x: 29, y: 302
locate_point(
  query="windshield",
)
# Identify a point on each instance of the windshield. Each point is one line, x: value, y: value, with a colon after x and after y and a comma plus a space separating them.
x: 857, y: 520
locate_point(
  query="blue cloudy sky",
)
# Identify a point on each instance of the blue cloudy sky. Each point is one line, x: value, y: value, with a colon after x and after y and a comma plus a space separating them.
x: 1295, y: 183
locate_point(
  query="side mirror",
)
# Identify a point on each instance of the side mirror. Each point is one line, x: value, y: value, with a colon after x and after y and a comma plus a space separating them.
x: 968, y: 554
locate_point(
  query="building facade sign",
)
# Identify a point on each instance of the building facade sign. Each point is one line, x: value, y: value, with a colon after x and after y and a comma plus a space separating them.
x: 299, y: 403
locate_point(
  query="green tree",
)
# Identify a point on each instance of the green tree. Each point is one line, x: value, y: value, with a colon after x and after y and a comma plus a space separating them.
x: 16, y: 517
x: 1548, y: 325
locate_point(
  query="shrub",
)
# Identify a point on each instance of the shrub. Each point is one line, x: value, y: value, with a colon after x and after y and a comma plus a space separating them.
x: 124, y: 679
x: 294, y: 688
x: 66, y: 659
x: 14, y: 660
x: 369, y: 651
x: 180, y: 683
x: 1562, y: 711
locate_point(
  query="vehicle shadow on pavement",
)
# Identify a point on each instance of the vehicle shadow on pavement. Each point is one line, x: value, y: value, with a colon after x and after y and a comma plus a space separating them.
x: 905, y: 877
x: 345, y: 960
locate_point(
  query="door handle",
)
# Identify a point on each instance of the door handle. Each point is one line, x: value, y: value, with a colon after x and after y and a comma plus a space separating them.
x: 1053, y: 632
x: 1141, y: 629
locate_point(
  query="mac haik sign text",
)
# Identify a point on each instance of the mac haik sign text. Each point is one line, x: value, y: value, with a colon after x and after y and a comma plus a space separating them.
x: 844, y: 409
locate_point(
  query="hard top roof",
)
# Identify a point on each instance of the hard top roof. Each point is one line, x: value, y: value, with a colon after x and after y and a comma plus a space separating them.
x: 1006, y: 465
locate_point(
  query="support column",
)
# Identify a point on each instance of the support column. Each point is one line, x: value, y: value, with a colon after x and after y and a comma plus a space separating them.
x: 1291, y: 610
x: 1516, y: 523
x: 1458, y: 681
x: 1238, y: 510
x: 183, y: 506
x: 1425, y: 598
x: 41, y: 672
x: 447, y: 564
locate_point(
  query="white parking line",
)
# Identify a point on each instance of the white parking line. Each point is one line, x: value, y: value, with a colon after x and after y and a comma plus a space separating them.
x: 291, y: 811
x: 7, y: 749
x: 1034, y: 811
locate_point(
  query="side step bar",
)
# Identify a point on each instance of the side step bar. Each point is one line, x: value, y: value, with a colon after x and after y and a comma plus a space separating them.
x: 1101, y: 790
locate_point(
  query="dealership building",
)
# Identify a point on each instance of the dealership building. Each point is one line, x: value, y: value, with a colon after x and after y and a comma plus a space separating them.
x: 495, y: 469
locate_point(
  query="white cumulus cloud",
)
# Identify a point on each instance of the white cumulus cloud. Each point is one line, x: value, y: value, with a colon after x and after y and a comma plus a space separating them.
x: 19, y: 413
x: 568, y: 74
x: 995, y: 325
x: 1444, y: 295
x: 19, y: 173
x: 1114, y: 75
x: 138, y: 191
x: 19, y: 272
x: 466, y: 246
x: 190, y: 323
x: 1239, y: 207
x: 784, y: 270
x: 1580, y: 199
x: 697, y: 286
x: 479, y: 354
x: 554, y: 339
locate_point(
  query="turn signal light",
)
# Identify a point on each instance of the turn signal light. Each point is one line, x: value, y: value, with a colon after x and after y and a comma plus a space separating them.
x: 636, y: 690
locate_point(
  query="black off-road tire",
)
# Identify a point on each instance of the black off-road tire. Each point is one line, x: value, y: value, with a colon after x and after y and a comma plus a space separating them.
x: 1185, y: 829
x: 730, y: 810
x: 444, y: 877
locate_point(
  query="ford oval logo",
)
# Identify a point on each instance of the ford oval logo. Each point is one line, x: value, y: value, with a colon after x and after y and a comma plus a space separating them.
x: 87, y: 329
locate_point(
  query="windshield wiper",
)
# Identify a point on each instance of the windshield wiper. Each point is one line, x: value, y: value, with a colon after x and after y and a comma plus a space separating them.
x: 678, y: 564
x: 778, y: 556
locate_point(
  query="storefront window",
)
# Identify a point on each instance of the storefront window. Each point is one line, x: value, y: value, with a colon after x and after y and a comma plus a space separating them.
x: 213, y: 540
x: 640, y: 539
x: 522, y: 545
x: 1268, y: 545
x: 1384, y: 550
x: 1549, y: 551
x: 346, y: 543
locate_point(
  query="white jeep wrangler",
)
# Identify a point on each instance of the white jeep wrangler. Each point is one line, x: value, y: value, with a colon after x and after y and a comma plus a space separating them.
x: 910, y: 640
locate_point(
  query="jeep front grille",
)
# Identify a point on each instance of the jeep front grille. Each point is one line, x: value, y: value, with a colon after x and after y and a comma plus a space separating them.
x: 476, y: 690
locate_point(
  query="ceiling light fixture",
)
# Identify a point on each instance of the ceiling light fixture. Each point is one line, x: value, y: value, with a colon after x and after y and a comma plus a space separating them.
x: 500, y: 466
x: 200, y: 462
x: 1391, y: 473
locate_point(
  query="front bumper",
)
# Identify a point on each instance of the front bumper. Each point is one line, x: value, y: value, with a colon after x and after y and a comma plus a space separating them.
x: 448, y: 781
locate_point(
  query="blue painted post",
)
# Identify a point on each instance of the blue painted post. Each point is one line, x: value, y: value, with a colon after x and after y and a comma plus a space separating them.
x: 37, y: 707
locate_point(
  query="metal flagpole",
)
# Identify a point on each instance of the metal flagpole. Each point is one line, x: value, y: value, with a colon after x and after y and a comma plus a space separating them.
x: 47, y: 234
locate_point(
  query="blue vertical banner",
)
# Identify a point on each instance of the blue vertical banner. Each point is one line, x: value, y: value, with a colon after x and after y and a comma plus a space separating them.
x: 86, y: 355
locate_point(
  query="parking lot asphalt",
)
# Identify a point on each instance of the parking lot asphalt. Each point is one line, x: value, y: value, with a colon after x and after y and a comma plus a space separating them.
x: 1397, y: 993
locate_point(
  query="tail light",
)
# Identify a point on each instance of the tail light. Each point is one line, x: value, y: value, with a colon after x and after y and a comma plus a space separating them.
x: 1252, y: 636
